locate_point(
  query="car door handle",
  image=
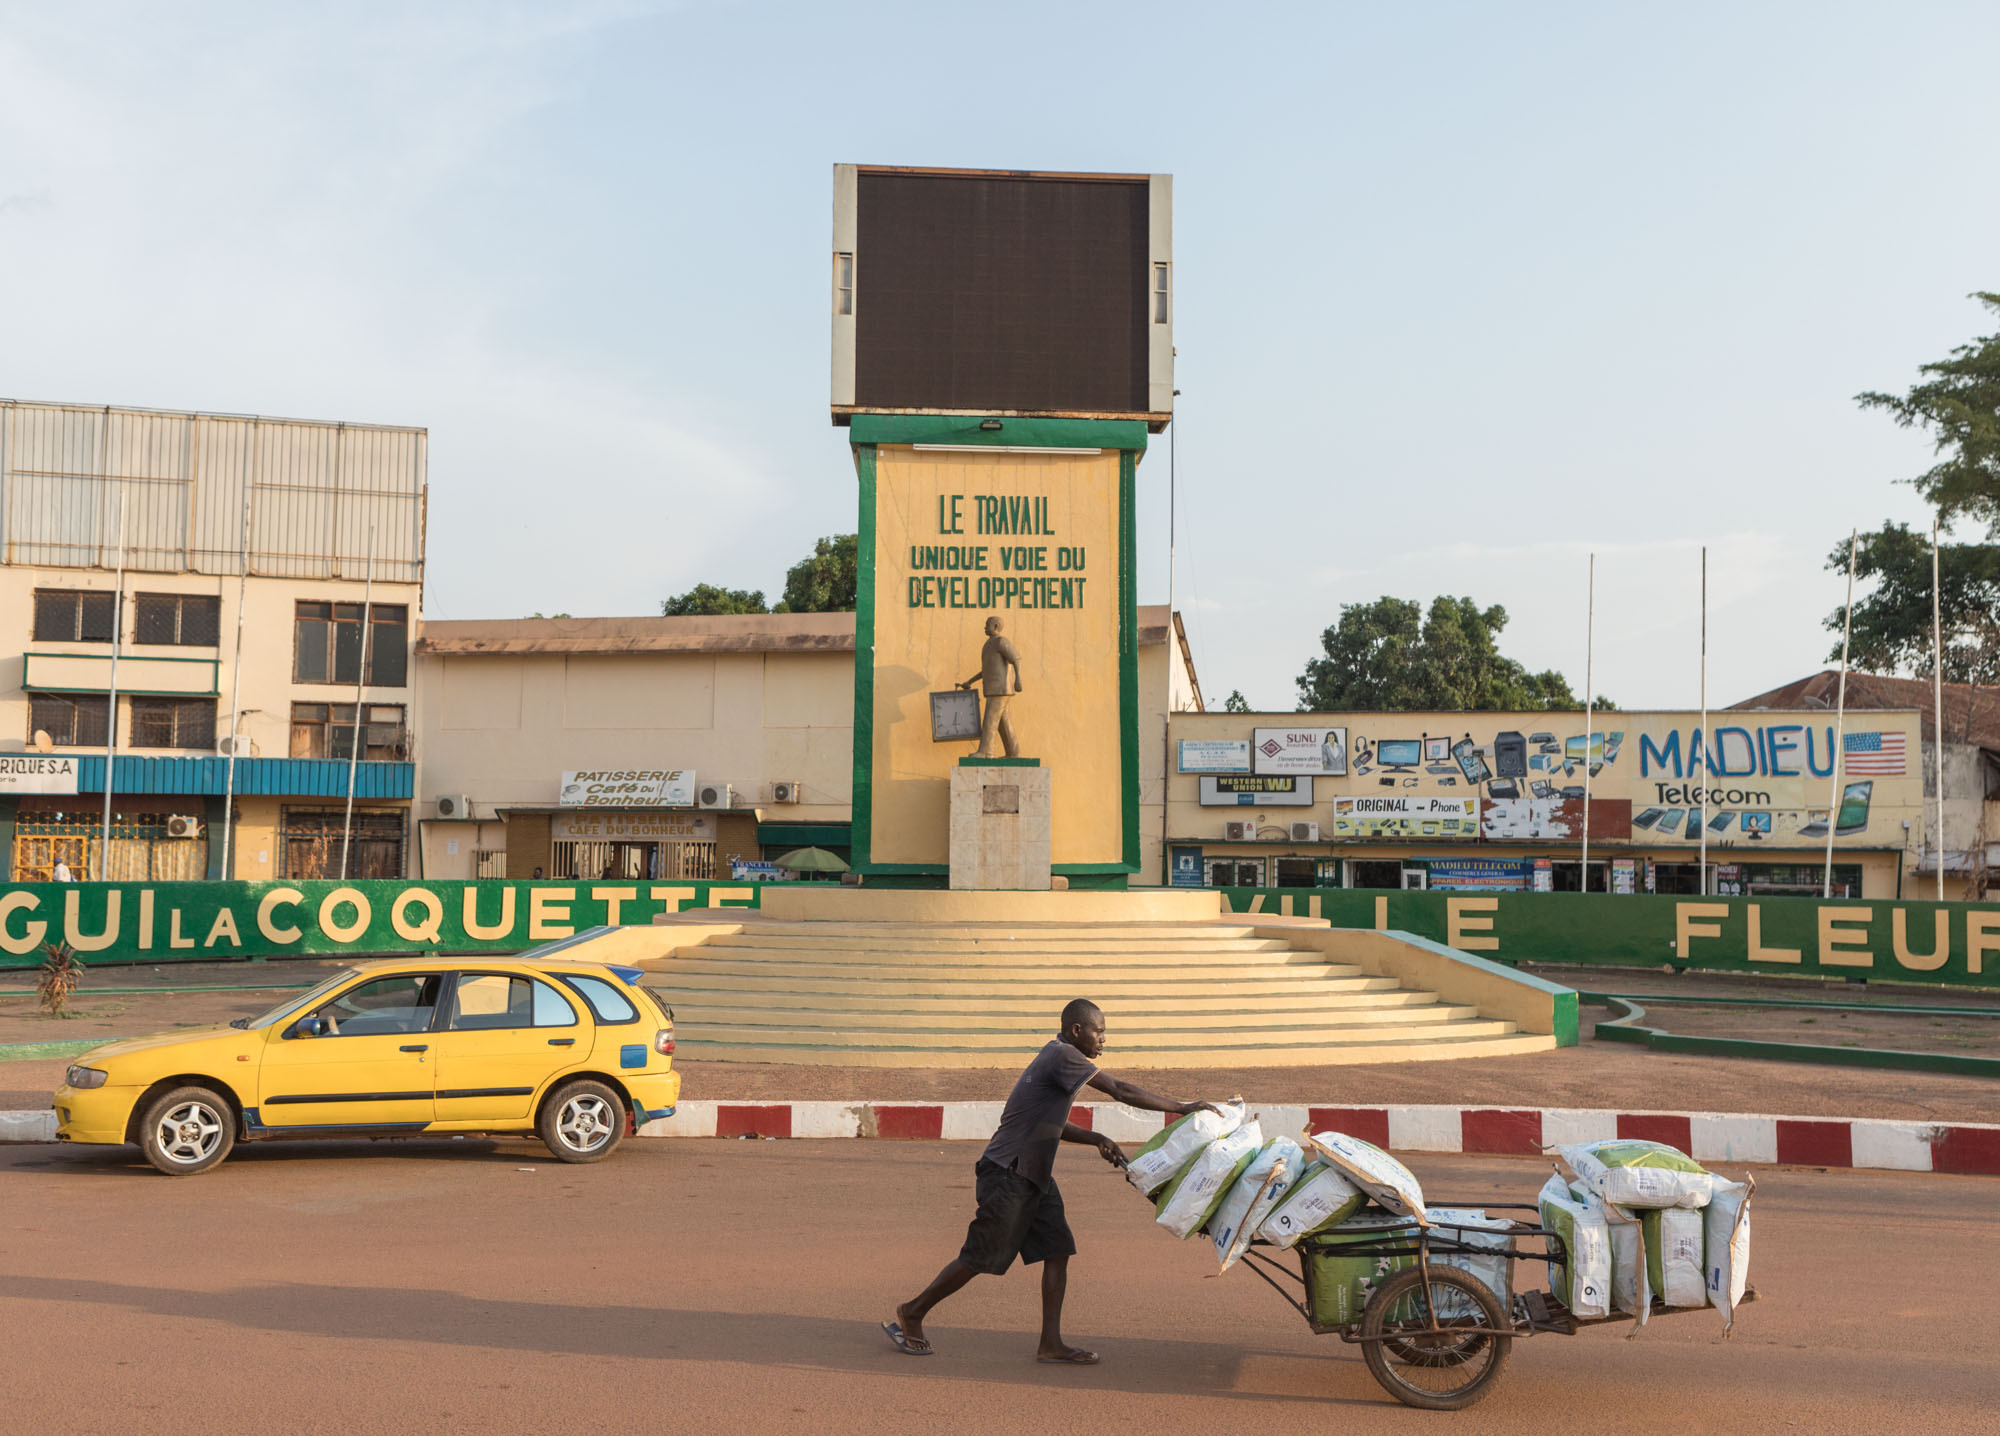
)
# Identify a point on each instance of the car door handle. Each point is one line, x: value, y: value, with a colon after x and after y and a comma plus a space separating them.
x: 562, y: 1042
x: 419, y: 1047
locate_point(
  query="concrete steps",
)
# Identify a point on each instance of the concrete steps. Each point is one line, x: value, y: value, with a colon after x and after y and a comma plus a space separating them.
x: 937, y: 993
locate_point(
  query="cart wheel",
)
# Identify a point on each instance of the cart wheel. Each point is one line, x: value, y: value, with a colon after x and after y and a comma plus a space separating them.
x: 1422, y: 1363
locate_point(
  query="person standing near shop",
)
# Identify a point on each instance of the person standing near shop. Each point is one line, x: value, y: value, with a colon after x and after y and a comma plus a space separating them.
x: 1020, y: 1209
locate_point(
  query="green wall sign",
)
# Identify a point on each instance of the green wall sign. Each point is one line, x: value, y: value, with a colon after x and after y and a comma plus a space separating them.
x: 215, y: 921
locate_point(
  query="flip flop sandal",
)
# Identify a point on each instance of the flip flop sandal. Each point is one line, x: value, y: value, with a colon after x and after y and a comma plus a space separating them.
x: 894, y: 1331
x: 1075, y: 1356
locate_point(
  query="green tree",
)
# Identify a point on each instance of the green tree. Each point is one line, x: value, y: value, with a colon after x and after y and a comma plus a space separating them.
x: 1958, y: 403
x: 1235, y: 702
x: 706, y: 598
x: 826, y: 580
x: 1389, y: 656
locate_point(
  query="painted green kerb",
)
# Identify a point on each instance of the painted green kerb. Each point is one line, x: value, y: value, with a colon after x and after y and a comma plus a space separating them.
x: 1568, y: 1027
x: 864, y: 665
x: 975, y: 762
x: 1128, y: 653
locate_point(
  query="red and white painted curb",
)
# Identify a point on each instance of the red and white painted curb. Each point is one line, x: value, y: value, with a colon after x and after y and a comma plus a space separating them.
x: 1707, y: 1136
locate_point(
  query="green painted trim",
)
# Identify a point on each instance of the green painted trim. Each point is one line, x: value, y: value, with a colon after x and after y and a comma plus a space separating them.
x: 1072, y: 869
x: 999, y: 762
x: 910, y: 868
x: 822, y: 835
x: 863, y: 812
x: 42, y: 1051
x: 1628, y: 1029
x: 1565, y: 1024
x: 867, y: 429
x: 1895, y: 1007
x: 1128, y: 653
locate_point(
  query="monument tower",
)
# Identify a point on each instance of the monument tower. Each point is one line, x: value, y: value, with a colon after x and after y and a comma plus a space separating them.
x: 1002, y: 347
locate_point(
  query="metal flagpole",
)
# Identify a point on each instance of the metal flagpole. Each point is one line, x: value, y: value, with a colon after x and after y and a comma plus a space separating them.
x: 1937, y: 700
x: 1704, y: 719
x: 1589, y: 712
x: 360, y: 678
x: 111, y: 700
x: 236, y: 666
x: 1840, y: 716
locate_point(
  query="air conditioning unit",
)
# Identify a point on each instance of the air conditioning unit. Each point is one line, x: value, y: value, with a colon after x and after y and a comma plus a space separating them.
x: 233, y: 745
x: 785, y: 790
x: 455, y: 805
x: 1305, y: 832
x: 180, y: 825
x: 714, y: 795
x: 1240, y: 830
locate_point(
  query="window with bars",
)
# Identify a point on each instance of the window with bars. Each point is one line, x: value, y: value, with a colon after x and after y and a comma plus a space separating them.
x: 72, y: 720
x: 75, y: 615
x: 327, y: 642
x: 173, y: 723
x: 186, y: 619
x: 311, y: 840
x: 326, y: 730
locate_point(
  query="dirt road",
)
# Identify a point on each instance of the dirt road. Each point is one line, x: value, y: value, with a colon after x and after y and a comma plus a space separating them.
x: 736, y: 1286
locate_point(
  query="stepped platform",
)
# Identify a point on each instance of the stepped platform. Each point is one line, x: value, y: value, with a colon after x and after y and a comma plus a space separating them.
x: 885, y: 978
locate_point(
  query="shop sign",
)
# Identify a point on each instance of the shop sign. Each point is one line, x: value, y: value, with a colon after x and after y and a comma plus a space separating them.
x: 627, y: 788
x: 1544, y: 876
x: 1478, y: 874
x: 1406, y: 817
x: 1252, y: 791
x: 37, y: 773
x: 1204, y: 755
x: 1184, y: 866
x: 1624, y: 875
x: 751, y: 872
x: 1318, y: 752
x: 627, y: 827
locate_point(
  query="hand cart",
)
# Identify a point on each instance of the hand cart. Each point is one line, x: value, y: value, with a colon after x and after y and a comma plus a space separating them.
x: 1435, y: 1336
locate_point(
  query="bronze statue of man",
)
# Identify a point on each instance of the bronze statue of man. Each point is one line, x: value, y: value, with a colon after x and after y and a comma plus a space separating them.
x: 994, y: 660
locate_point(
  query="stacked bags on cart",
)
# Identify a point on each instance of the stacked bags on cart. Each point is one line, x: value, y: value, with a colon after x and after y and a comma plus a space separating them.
x: 1643, y: 1220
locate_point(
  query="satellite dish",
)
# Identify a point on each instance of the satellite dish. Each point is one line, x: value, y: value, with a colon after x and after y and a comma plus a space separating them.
x: 43, y: 742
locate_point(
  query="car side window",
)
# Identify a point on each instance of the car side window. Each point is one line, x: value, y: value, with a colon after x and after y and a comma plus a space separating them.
x: 489, y: 1000
x: 383, y: 1006
x: 606, y: 1001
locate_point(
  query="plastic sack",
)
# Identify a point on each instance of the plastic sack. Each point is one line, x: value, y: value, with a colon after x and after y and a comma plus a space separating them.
x: 1583, y: 1283
x: 1726, y: 1246
x: 1489, y: 1265
x: 1632, y: 1173
x: 1321, y: 1197
x: 1674, y: 1255
x: 1170, y: 1149
x: 1631, y: 1283
x: 1345, y: 1264
x: 1386, y: 1181
x: 1263, y: 1183
x: 1192, y: 1197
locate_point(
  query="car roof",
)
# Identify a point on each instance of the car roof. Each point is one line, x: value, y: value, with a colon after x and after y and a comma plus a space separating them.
x: 475, y: 960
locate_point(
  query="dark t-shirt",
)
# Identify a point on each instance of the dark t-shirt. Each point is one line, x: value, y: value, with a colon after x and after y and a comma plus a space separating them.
x: 1032, y: 1123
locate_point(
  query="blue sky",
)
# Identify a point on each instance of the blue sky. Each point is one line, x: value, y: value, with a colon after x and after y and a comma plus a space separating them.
x: 1464, y: 293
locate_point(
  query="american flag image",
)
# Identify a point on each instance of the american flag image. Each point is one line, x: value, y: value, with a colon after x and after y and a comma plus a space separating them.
x: 1881, y: 754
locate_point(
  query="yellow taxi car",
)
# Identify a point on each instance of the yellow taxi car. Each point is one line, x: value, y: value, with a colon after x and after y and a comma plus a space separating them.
x: 576, y: 1053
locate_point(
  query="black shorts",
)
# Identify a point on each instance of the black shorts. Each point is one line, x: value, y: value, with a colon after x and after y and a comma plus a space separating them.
x: 1015, y: 1218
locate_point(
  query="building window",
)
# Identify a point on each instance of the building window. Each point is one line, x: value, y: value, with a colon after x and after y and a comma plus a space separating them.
x: 1160, y: 294
x: 326, y: 644
x: 71, y: 615
x: 72, y: 720
x: 312, y: 839
x: 187, y: 619
x: 326, y: 730
x: 173, y: 723
x: 843, y: 284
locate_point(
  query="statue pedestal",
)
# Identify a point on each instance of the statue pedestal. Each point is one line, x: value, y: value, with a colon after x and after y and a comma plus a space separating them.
x: 1000, y: 824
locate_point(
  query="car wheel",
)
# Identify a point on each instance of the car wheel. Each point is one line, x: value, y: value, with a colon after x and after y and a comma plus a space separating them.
x: 187, y: 1130
x: 582, y: 1122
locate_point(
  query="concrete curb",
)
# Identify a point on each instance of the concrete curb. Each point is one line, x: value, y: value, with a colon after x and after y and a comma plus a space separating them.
x: 1859, y: 1142
x: 28, y: 1126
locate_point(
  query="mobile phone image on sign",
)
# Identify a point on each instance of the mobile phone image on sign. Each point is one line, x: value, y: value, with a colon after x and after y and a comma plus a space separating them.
x: 1644, y: 820
x: 1720, y: 821
x: 1469, y: 762
x: 1853, y: 808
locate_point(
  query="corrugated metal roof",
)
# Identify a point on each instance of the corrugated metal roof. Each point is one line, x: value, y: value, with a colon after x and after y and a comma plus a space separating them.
x: 255, y: 777
x: 714, y: 633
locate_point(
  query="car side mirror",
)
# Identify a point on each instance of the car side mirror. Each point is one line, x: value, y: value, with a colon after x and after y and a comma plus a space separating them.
x: 304, y: 1027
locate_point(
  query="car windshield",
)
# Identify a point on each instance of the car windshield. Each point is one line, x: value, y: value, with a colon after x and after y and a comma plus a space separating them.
x: 299, y: 1000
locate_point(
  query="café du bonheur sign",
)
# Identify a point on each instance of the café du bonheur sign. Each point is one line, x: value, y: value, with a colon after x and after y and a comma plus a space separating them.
x: 627, y: 788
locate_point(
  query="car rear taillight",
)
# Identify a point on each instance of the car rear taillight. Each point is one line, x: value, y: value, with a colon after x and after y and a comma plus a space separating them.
x: 663, y: 1041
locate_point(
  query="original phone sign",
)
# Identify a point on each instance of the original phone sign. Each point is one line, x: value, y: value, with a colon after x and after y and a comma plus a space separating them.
x: 1302, y: 752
